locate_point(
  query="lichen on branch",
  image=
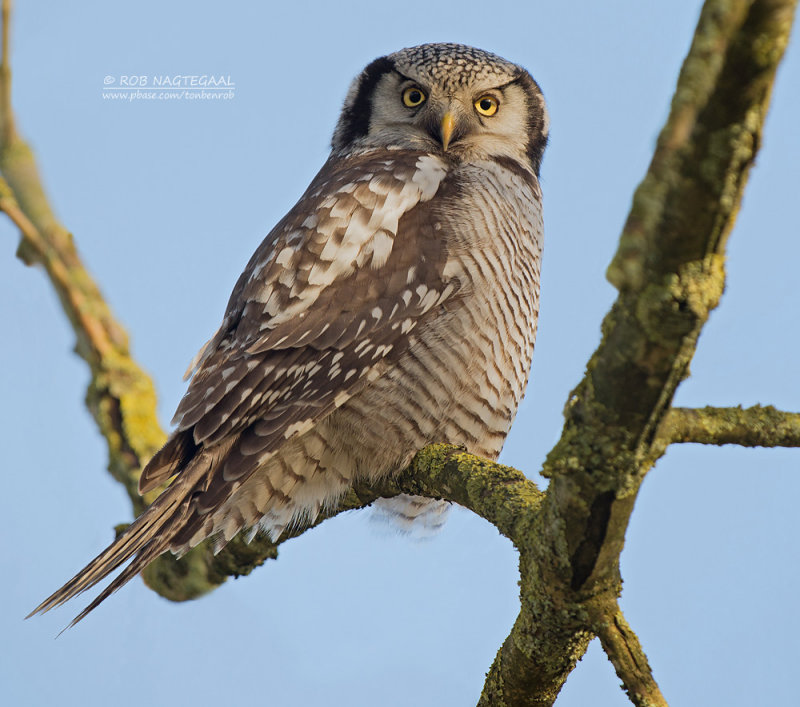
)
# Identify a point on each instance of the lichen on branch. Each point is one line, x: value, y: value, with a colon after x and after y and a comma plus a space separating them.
x: 757, y: 426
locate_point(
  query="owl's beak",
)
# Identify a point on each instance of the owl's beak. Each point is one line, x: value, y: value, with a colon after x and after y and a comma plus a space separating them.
x: 448, y: 123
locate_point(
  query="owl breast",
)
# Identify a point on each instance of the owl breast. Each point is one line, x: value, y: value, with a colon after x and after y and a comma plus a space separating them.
x: 464, y: 374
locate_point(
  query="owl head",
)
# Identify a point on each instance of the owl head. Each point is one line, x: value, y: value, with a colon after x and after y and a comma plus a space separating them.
x: 466, y: 103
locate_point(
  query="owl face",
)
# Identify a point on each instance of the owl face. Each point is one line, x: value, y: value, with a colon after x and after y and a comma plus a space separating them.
x: 459, y: 101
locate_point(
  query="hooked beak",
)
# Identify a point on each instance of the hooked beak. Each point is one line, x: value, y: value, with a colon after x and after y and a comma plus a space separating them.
x: 448, y: 123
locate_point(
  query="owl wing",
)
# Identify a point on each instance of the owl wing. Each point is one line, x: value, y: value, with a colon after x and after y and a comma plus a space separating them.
x: 332, y: 291
x: 335, y: 288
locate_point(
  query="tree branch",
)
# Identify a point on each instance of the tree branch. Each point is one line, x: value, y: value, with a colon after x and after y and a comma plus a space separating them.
x: 121, y: 397
x: 669, y: 270
x: 7, y: 130
x: 626, y: 655
x: 757, y: 426
x: 500, y: 494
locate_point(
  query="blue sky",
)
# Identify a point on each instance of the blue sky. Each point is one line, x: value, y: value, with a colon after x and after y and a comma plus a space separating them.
x: 167, y: 200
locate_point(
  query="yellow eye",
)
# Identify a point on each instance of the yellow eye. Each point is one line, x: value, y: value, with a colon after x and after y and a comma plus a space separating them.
x: 487, y: 105
x: 413, y: 97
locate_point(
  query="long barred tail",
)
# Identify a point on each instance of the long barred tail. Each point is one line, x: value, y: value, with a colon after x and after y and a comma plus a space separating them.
x: 146, y: 538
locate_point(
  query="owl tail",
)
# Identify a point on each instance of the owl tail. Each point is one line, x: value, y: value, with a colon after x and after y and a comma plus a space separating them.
x: 415, y: 516
x: 149, y: 536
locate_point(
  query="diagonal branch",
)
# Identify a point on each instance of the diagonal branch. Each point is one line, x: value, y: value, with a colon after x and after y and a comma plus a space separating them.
x: 121, y: 396
x: 669, y: 271
x: 7, y: 129
x: 626, y: 655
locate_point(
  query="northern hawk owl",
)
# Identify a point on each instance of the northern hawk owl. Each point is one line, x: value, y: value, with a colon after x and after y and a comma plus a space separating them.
x: 393, y: 306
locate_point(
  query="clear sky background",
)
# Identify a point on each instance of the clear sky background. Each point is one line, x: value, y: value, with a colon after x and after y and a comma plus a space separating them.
x: 167, y: 200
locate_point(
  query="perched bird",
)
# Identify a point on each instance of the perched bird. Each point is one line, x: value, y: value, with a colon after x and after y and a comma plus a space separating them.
x: 395, y: 305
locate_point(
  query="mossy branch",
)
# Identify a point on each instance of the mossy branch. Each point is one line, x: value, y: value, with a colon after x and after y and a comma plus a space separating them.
x: 757, y: 426
x: 670, y: 273
x: 500, y: 494
x: 669, y: 270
